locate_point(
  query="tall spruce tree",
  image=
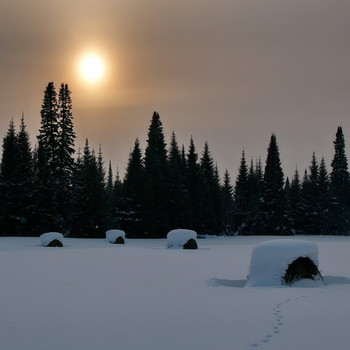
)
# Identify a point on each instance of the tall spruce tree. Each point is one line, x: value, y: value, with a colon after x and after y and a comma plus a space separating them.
x: 66, y: 137
x: 156, y: 172
x: 241, y: 198
x: 311, y: 198
x: 176, y: 186
x: 274, y: 219
x: 24, y: 180
x: 48, y: 165
x: 227, y: 204
x: 324, y: 197
x: 296, y: 207
x: 211, y: 222
x: 110, y: 201
x: 89, y: 217
x: 194, y: 189
x: 48, y: 138
x: 340, y: 187
x: 8, y: 184
x: 131, y: 210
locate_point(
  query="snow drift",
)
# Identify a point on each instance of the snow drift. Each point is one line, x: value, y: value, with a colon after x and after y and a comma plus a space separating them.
x: 179, y: 237
x: 48, y: 238
x: 270, y: 261
x: 113, y: 235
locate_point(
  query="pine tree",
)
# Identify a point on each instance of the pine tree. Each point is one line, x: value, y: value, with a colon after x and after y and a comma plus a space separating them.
x: 25, y: 181
x: 241, y: 198
x: 227, y: 204
x: 255, y: 187
x: 110, y: 198
x: 66, y: 137
x: 48, y: 166
x: 311, y: 198
x: 273, y: 206
x: 66, y: 134
x: 296, y: 206
x: 131, y: 211
x: 324, y: 197
x: 194, y: 189
x: 156, y: 171
x: 176, y: 186
x: 118, y: 190
x: 89, y: 213
x: 48, y: 138
x: 211, y: 222
x: 340, y: 187
x: 8, y: 174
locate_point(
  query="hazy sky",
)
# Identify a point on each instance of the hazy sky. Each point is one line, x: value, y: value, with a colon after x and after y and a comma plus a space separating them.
x: 229, y: 72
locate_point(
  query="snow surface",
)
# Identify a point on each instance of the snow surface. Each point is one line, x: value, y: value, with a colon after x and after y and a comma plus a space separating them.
x: 270, y: 260
x: 47, y: 238
x: 89, y: 295
x: 112, y: 235
x: 179, y: 237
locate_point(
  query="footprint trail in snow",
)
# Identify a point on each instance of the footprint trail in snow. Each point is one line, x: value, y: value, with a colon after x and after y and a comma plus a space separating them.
x: 278, y: 320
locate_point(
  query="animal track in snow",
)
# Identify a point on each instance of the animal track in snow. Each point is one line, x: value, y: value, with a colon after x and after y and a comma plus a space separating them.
x: 278, y: 322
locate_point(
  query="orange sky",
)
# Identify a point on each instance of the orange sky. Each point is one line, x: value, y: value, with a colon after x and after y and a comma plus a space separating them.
x: 227, y: 71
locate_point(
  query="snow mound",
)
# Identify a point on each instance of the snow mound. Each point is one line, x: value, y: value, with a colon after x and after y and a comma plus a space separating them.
x: 179, y: 237
x: 112, y: 235
x: 270, y: 260
x: 47, y: 238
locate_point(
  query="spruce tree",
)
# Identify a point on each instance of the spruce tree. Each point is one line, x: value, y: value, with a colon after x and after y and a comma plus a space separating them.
x: 296, y: 206
x: 66, y: 134
x: 324, y: 197
x: 48, y: 165
x: 8, y: 185
x: 227, y: 204
x: 90, y: 212
x: 241, y: 198
x: 194, y: 189
x: 25, y: 181
x: 176, y: 186
x: 156, y: 172
x: 211, y: 222
x: 339, y: 187
x: 131, y: 210
x: 118, y: 190
x: 48, y: 138
x: 66, y: 137
x: 110, y: 202
x: 311, y: 196
x: 273, y: 206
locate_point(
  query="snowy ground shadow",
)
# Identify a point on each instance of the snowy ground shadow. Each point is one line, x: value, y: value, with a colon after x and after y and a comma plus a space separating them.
x: 216, y: 282
x: 327, y: 280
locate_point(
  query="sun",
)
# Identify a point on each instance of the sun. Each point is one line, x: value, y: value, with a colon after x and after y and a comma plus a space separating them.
x: 92, y: 68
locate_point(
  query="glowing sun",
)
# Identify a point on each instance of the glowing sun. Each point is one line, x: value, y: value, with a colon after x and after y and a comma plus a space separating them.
x: 92, y: 68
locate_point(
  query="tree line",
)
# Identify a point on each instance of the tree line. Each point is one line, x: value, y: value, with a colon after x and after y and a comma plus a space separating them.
x: 50, y: 188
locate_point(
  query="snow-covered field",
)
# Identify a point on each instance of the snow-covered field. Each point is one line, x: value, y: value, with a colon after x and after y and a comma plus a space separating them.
x: 91, y: 295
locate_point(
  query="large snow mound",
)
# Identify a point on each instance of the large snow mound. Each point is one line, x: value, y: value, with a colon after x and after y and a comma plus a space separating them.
x: 270, y: 260
x: 112, y: 235
x: 177, y: 238
x: 47, y: 238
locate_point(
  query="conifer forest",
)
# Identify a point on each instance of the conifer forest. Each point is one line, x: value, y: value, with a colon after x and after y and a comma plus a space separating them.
x: 54, y: 187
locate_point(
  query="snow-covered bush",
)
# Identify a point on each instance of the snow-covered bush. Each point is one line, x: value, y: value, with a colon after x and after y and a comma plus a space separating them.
x: 180, y: 238
x: 283, y: 261
x: 115, y: 236
x: 51, y: 239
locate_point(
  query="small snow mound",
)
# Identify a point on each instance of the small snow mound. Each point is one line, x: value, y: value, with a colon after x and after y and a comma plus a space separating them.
x: 270, y: 261
x: 113, y: 235
x: 179, y: 237
x: 47, y: 238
